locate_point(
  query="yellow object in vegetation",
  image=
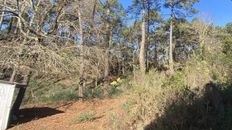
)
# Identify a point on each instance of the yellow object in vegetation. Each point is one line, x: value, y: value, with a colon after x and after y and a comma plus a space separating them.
x: 114, y: 83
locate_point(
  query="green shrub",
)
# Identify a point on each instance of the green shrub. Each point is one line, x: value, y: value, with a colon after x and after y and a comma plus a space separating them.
x: 176, y: 81
x: 114, y: 91
x: 61, y: 97
x: 91, y: 93
x: 40, y: 91
x: 158, y: 91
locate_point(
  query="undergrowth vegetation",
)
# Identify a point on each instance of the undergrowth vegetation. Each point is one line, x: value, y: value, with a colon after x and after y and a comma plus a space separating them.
x: 165, y: 71
x: 198, y: 96
x: 86, y: 116
x: 47, y: 92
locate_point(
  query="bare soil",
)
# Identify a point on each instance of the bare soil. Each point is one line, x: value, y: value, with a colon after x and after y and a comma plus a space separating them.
x: 65, y: 116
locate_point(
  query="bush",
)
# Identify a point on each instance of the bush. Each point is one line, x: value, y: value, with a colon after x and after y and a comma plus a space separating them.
x: 61, y: 97
x: 43, y: 92
x: 177, y: 80
x: 91, y: 93
x: 152, y: 96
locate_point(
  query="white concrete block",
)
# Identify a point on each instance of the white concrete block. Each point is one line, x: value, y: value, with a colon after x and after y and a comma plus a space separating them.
x: 6, y: 97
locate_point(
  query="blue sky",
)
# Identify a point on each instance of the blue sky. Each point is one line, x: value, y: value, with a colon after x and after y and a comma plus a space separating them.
x: 219, y: 11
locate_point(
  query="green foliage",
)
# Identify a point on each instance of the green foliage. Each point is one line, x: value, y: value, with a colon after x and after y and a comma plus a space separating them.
x: 152, y: 96
x: 145, y: 96
x: 207, y: 109
x: 188, y: 99
x: 228, y: 52
x: 228, y: 47
x: 40, y: 91
x: 226, y: 38
x: 197, y: 73
x: 196, y: 96
x: 99, y: 92
x: 114, y: 91
x: 181, y: 8
x: 176, y: 81
x: 228, y: 28
x: 91, y: 93
x: 60, y: 97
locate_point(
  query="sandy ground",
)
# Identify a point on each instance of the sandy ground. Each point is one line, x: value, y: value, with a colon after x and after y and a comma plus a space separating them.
x: 65, y: 116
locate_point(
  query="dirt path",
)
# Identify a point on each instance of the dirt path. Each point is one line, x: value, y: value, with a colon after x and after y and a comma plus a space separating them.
x: 66, y: 116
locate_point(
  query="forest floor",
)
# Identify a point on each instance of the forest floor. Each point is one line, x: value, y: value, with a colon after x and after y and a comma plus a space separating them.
x: 69, y: 116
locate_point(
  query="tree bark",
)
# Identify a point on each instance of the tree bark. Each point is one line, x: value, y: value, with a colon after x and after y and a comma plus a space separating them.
x: 94, y: 11
x: 82, y: 79
x: 134, y: 66
x: 106, y: 72
x: 21, y: 94
x: 171, y: 48
x: 148, y: 35
x: 143, y: 42
x: 107, y: 47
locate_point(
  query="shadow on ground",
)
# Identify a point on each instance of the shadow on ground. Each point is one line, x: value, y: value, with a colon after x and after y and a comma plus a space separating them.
x: 210, y: 109
x: 30, y: 114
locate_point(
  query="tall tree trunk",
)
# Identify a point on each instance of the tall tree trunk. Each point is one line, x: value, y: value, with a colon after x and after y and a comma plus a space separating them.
x: 26, y: 79
x: 21, y: 94
x: 134, y: 66
x: 82, y: 79
x: 94, y: 10
x: 92, y: 29
x: 106, y: 72
x: 106, y: 64
x: 171, y: 48
x: 156, y: 55
x: 107, y: 47
x: 143, y: 42
x: 2, y: 14
x: 148, y: 35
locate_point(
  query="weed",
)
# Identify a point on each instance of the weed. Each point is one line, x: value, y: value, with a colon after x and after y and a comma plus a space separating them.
x: 61, y: 97
x: 86, y: 116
